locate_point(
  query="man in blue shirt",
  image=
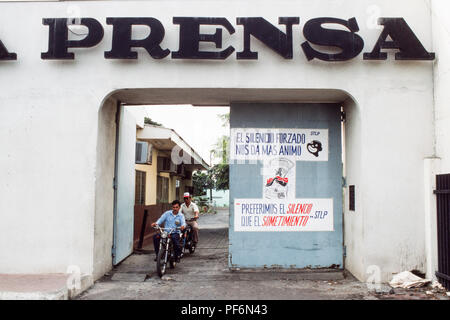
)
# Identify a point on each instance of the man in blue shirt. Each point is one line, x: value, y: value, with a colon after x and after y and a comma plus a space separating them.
x: 171, y: 219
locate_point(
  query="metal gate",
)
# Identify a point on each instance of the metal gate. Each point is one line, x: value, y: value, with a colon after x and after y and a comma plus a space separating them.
x: 258, y: 238
x: 443, y: 224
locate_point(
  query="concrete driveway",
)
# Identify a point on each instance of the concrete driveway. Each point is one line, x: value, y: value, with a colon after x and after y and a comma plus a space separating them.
x: 205, y: 275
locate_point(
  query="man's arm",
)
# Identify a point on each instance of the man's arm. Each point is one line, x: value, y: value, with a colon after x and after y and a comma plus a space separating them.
x: 196, y: 211
x: 183, y: 221
x: 160, y: 220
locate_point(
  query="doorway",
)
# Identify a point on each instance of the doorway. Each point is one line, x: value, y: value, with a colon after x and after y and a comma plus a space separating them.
x: 171, y: 144
x: 198, y: 97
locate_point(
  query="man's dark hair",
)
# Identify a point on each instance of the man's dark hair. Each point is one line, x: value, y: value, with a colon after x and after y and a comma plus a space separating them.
x: 174, y: 202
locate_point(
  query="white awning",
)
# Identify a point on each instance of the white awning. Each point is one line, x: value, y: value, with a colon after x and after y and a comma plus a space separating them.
x: 167, y: 139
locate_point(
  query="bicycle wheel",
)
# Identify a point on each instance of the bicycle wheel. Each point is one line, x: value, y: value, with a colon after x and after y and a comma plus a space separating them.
x: 161, y: 262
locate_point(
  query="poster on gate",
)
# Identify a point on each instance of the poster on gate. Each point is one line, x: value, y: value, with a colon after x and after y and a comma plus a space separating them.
x: 275, y: 215
x: 278, y: 179
x: 270, y: 143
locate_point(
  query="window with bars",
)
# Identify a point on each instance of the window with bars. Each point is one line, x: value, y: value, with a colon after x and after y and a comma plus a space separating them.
x: 140, y: 188
x: 162, y: 190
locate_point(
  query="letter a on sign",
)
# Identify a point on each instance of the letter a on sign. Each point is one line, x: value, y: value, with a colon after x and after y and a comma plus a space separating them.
x: 403, y: 39
x: 5, y: 55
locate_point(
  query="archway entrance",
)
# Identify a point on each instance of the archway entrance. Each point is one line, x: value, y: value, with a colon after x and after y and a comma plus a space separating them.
x: 104, y: 221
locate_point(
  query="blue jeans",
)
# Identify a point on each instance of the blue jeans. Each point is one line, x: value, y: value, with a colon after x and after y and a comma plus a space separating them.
x: 175, y: 241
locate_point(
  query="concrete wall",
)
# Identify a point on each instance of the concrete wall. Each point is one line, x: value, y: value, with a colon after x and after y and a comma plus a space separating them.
x: 385, y: 158
x: 393, y: 156
x: 49, y: 140
x: 439, y: 163
x: 104, y: 194
x: 353, y: 173
x: 50, y: 120
x: 441, y: 44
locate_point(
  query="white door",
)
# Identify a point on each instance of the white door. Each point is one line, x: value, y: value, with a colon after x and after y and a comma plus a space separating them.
x: 125, y: 182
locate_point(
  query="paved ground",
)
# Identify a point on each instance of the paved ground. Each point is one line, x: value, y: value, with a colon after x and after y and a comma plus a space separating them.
x: 205, y: 275
x: 31, y: 287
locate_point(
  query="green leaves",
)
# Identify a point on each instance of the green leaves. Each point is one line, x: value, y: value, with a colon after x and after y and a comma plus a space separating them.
x: 202, y: 181
x: 147, y: 120
x: 220, y: 174
x: 216, y: 177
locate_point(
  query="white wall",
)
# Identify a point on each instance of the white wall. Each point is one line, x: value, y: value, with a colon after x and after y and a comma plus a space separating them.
x: 354, y: 220
x: 104, y: 192
x: 441, y: 44
x: 49, y: 122
x: 47, y: 184
x: 440, y: 162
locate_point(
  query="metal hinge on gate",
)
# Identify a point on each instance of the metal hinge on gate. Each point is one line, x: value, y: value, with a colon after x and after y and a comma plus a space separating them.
x: 113, y: 251
x: 345, y: 251
x: 343, y: 116
x: 114, y: 183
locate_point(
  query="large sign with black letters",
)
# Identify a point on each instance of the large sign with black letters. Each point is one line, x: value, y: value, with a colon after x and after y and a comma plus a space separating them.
x: 396, y: 35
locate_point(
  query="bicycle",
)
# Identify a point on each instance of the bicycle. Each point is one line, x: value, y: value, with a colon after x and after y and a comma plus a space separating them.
x: 166, y: 251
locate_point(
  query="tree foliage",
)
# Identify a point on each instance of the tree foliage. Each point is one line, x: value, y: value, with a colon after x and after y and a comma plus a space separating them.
x: 217, y: 177
x: 225, y: 119
x: 148, y: 120
x: 220, y: 174
x: 202, y: 181
x: 221, y: 150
